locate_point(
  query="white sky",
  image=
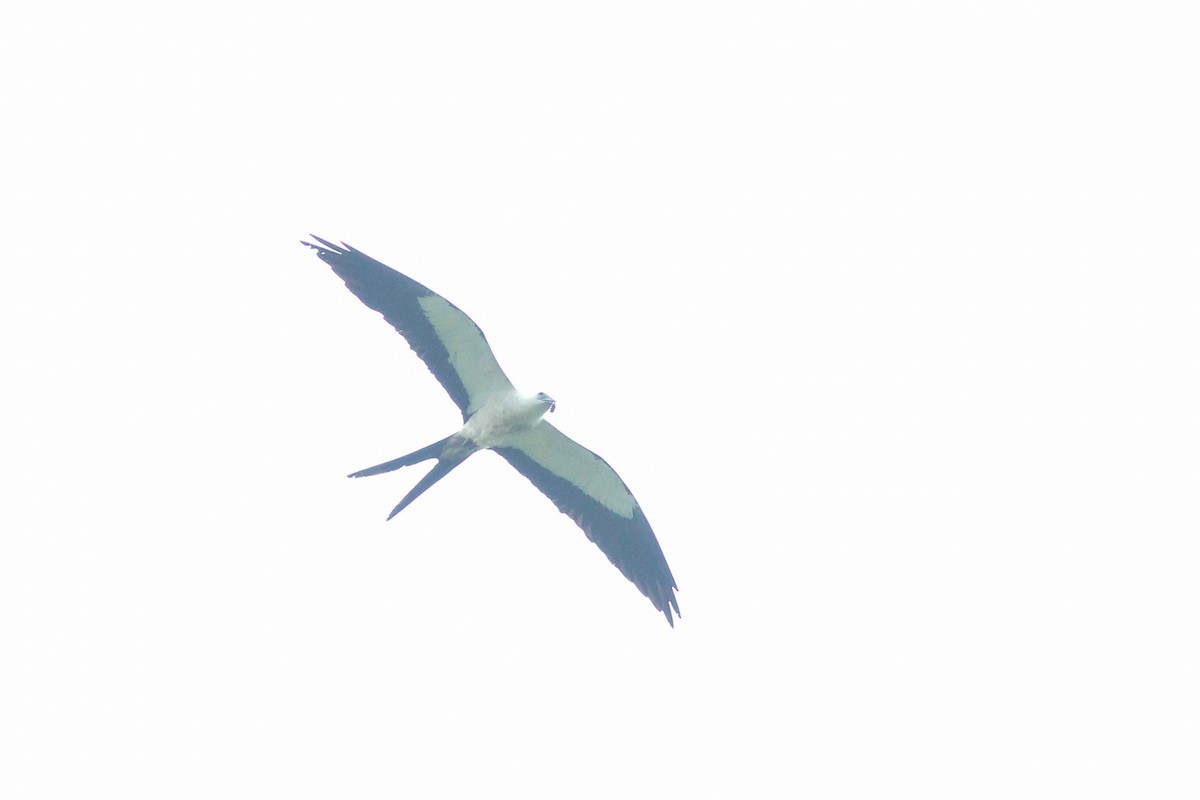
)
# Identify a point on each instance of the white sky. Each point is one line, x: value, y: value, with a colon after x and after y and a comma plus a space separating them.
x: 888, y: 313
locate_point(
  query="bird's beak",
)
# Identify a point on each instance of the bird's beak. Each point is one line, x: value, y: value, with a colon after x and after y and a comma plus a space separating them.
x: 552, y: 405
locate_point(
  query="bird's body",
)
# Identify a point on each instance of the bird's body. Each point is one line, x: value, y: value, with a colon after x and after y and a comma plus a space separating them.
x: 503, y: 417
x: 497, y: 417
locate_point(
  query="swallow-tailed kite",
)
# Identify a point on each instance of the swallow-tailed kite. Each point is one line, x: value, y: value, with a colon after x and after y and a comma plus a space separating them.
x: 498, y: 417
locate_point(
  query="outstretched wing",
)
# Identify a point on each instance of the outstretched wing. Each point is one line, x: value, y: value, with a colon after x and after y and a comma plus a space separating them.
x: 589, y: 491
x: 450, y: 344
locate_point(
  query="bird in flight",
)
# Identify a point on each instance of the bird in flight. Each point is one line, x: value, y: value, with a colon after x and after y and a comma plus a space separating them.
x: 498, y: 417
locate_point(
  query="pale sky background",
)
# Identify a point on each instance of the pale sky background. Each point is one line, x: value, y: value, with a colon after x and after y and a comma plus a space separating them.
x: 889, y: 313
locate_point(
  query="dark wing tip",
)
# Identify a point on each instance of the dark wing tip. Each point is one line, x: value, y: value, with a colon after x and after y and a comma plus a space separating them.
x: 328, y: 247
x: 662, y: 596
x: 641, y: 560
x: 671, y: 604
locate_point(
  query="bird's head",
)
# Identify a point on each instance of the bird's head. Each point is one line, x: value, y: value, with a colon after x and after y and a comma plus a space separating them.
x: 545, y: 399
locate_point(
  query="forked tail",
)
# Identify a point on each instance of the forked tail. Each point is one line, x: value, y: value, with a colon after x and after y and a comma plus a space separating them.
x: 439, y: 471
x: 448, y: 458
x: 416, y: 457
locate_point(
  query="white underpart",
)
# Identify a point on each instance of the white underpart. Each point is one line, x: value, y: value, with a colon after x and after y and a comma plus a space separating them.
x: 470, y: 355
x: 502, y: 418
